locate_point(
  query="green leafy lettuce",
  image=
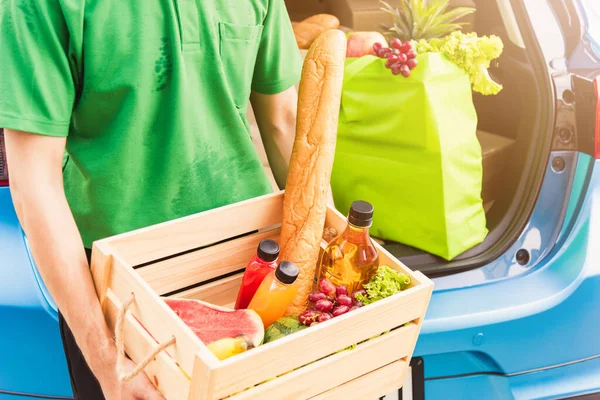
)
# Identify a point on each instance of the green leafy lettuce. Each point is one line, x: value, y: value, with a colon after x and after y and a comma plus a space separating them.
x: 385, y: 283
x: 470, y: 52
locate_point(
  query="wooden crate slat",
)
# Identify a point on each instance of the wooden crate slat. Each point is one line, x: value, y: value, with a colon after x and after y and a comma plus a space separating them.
x: 335, y: 219
x: 163, y: 371
x: 202, y: 387
x: 370, y: 386
x: 221, y: 293
x: 337, y: 369
x: 319, y: 341
x: 157, y: 317
x: 199, y: 266
x: 183, y: 234
x: 101, y: 268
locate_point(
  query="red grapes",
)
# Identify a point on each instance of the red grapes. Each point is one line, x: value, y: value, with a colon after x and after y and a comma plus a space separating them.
x: 316, y: 296
x: 377, y: 47
x: 405, y: 71
x: 339, y: 310
x: 340, y: 290
x: 400, y: 57
x: 324, y: 305
x: 324, y: 317
x: 308, y: 317
x: 344, y: 300
x: 329, y: 301
x: 327, y: 287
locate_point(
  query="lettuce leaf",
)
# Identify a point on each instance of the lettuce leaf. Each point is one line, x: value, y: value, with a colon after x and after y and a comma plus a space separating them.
x: 385, y: 283
x: 472, y: 53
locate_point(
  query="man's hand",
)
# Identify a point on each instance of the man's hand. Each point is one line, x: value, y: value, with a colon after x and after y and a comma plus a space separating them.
x: 276, y: 118
x: 139, y: 388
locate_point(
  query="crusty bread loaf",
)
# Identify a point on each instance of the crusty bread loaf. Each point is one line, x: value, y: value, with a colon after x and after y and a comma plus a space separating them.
x: 325, y: 20
x: 306, y: 33
x: 307, y: 185
x: 309, y: 29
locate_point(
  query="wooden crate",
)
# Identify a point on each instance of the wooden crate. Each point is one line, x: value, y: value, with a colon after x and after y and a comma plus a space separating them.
x: 202, y: 256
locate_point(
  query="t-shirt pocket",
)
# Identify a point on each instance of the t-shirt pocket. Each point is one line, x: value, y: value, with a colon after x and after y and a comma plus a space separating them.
x: 238, y: 49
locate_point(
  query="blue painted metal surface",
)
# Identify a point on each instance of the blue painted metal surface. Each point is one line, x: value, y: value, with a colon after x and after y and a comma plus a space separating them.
x: 538, y: 237
x: 543, y: 317
x: 32, y: 356
x: 560, y: 382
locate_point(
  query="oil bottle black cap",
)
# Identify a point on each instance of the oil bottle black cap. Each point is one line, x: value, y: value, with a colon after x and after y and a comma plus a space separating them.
x: 268, y: 250
x: 361, y: 214
x: 286, y: 272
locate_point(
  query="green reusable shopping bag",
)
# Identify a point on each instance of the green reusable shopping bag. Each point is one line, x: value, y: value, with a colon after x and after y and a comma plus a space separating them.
x: 409, y: 146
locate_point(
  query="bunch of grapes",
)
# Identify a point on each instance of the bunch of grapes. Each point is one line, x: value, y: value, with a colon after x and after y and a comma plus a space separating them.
x: 330, y: 301
x: 401, y: 57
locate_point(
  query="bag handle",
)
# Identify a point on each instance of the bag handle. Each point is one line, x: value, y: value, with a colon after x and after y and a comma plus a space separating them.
x: 119, y: 330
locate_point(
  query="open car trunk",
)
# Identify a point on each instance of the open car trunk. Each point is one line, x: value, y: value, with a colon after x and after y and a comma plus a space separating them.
x: 515, y: 133
x: 514, y: 127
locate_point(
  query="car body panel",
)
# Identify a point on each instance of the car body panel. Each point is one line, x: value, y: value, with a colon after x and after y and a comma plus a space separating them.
x: 537, y: 239
x: 33, y: 360
x: 562, y: 382
x: 21, y: 396
x: 541, y: 320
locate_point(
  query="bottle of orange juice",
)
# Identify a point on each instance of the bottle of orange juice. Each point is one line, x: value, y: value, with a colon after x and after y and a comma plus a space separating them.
x: 275, y: 293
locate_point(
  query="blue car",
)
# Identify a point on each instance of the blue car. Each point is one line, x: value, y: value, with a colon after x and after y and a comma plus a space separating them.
x: 518, y: 316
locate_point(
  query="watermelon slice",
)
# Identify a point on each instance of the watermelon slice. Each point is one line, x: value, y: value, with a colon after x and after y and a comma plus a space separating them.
x: 211, y: 323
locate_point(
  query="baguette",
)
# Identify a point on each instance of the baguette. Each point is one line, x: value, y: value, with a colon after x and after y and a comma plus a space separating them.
x: 307, y: 185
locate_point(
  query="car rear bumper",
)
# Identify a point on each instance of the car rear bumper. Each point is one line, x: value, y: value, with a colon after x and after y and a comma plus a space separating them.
x: 27, y: 396
x: 487, y: 337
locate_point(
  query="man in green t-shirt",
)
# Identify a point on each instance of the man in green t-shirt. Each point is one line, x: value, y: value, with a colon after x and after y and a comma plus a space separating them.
x: 149, y: 99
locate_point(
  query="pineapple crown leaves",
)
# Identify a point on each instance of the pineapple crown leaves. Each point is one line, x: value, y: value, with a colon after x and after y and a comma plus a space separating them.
x: 422, y: 19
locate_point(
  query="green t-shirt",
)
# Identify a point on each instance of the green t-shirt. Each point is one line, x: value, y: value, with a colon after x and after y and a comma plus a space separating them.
x: 152, y: 95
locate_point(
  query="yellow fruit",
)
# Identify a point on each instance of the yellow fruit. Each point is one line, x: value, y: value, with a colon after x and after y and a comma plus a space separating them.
x: 225, y: 348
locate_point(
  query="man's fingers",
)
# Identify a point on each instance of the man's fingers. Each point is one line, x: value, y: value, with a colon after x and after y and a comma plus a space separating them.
x: 154, y: 395
x: 151, y: 393
x: 143, y: 389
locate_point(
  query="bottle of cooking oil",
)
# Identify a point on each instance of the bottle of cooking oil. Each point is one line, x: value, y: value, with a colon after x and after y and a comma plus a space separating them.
x: 351, y: 259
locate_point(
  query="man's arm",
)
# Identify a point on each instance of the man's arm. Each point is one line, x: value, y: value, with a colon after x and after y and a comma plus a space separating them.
x: 35, y: 165
x: 276, y: 118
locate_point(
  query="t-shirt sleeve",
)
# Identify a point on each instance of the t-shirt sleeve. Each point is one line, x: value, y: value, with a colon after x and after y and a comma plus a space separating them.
x: 37, y: 89
x: 278, y: 64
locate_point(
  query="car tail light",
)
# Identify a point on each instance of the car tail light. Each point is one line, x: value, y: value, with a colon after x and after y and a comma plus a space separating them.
x: 597, y: 125
x: 3, y: 166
